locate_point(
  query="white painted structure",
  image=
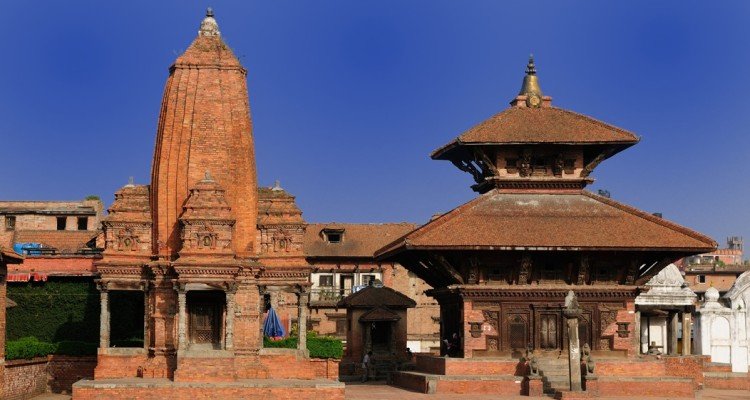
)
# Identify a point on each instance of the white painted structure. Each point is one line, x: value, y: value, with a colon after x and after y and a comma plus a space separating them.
x: 659, y: 311
x: 723, y: 325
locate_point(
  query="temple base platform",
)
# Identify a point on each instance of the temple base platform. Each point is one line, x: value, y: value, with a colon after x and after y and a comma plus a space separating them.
x: 638, y: 377
x: 162, y: 388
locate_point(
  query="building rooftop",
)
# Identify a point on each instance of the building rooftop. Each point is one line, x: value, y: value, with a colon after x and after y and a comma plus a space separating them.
x: 357, y: 240
x: 560, y: 221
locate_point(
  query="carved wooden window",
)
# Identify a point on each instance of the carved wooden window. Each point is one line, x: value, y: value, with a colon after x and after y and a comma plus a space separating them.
x: 83, y: 223
x: 61, y: 222
x: 334, y: 235
x: 517, y: 332
x: 205, y: 319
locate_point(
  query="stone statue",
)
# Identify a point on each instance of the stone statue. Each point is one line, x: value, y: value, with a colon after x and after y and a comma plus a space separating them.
x: 533, y: 366
x: 588, y: 361
x: 571, y: 301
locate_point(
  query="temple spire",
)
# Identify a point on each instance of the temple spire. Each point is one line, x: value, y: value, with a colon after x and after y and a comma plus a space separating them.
x: 209, y: 27
x: 530, y: 84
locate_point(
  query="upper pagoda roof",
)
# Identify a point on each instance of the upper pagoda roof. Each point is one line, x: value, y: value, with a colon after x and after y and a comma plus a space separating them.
x: 549, y: 221
x: 542, y: 125
x: 531, y: 120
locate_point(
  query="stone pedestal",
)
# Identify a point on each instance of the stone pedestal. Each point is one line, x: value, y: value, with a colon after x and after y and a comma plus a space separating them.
x: 536, y: 386
x: 591, y: 383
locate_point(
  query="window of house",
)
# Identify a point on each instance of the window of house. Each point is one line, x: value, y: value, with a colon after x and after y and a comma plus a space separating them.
x: 325, y: 280
x: 83, y: 223
x: 10, y: 223
x: 366, y: 279
x: 333, y: 236
x: 61, y: 223
x: 701, y: 278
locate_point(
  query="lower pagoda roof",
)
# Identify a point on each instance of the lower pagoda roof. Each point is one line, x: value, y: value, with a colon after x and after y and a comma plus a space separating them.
x: 573, y: 221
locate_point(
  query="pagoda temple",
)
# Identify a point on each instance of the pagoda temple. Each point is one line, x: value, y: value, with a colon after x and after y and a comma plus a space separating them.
x: 194, y: 250
x: 501, y: 264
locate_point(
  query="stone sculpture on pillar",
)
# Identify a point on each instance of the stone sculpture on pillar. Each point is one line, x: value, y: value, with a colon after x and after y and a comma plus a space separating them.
x: 572, y: 312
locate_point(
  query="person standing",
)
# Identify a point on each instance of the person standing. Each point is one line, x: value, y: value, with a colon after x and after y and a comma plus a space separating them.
x: 366, y: 363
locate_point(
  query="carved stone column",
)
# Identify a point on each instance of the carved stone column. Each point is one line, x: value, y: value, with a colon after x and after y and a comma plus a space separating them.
x: 302, y: 300
x: 229, y: 337
x: 686, y: 336
x: 572, y: 312
x: 673, y: 326
x: 146, y: 315
x: 182, y: 318
x: 103, y: 315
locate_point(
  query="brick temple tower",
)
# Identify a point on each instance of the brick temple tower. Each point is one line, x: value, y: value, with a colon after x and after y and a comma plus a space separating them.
x: 192, y: 248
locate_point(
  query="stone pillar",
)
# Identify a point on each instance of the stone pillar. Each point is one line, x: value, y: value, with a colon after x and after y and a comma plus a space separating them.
x: 146, y: 316
x: 637, y: 331
x: 182, y: 318
x: 229, y: 337
x: 103, y: 316
x: 571, y: 312
x: 673, y: 327
x: 302, y: 297
x: 686, y: 319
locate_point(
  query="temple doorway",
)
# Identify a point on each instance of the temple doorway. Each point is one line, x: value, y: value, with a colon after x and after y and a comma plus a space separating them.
x: 548, y: 331
x: 380, y: 334
x: 206, y: 319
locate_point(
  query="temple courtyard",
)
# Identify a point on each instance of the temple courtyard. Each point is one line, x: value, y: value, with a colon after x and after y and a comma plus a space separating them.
x: 379, y: 390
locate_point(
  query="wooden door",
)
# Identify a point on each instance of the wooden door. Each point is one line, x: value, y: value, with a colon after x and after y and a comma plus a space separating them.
x: 204, y: 323
x: 548, y: 332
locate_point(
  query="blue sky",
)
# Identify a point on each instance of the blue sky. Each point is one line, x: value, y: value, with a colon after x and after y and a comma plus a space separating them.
x: 349, y: 97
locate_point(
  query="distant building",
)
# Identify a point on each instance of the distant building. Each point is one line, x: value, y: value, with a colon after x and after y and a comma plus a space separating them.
x: 57, y: 237
x: 719, y: 268
x: 343, y: 261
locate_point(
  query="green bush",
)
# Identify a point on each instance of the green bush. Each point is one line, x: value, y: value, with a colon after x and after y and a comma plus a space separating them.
x: 30, y: 347
x: 27, y: 348
x: 325, y: 347
x: 318, y: 346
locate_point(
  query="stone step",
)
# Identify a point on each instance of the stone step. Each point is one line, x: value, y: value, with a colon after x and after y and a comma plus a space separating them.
x: 506, y: 385
x: 717, y: 367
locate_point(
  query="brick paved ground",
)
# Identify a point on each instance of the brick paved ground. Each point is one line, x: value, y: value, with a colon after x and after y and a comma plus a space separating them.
x: 376, y: 391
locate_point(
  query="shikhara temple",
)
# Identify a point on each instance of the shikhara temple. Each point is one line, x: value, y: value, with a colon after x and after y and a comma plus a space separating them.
x: 543, y: 286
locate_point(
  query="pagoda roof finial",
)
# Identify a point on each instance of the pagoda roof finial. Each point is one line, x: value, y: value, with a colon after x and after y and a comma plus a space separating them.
x: 277, y: 186
x: 530, y: 87
x: 207, y: 177
x: 130, y: 182
x: 530, y: 67
x: 209, y: 27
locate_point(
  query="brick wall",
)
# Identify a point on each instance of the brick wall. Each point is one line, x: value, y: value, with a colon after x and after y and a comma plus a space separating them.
x: 70, y: 265
x: 64, y: 371
x: 25, y: 379
x: 192, y: 393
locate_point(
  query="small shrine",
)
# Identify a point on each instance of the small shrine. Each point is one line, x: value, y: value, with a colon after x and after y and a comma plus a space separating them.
x: 377, y: 321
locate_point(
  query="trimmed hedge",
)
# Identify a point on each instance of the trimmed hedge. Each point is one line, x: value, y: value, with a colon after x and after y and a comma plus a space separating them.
x: 318, y: 346
x: 54, y: 311
x: 30, y: 347
x: 67, y: 309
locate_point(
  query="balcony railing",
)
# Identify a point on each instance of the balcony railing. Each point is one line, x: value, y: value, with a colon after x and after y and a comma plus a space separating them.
x: 328, y: 295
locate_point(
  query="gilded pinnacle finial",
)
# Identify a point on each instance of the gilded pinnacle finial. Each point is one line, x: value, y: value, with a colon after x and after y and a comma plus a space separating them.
x: 130, y: 182
x: 209, y: 27
x: 530, y: 67
x: 277, y: 186
x: 530, y: 87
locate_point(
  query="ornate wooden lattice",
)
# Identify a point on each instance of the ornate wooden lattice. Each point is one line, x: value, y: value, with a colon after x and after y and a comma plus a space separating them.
x: 517, y: 332
x: 204, y: 323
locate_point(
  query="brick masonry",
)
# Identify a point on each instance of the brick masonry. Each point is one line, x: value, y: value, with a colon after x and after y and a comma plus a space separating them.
x: 25, y: 379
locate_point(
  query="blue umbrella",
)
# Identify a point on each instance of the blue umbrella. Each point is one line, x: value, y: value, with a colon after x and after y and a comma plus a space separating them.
x: 272, y: 326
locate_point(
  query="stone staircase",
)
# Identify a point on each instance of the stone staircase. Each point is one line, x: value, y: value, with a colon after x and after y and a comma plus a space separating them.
x: 554, y: 372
